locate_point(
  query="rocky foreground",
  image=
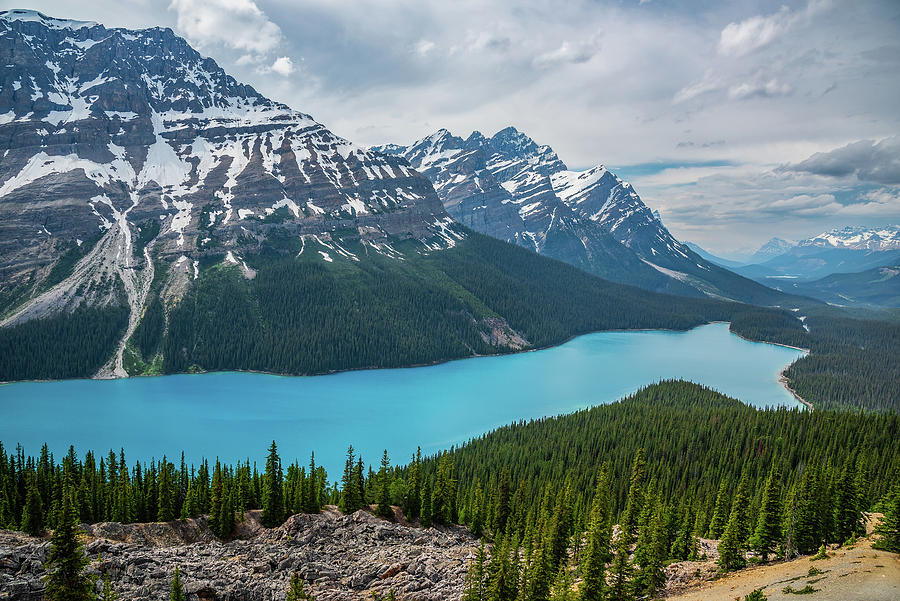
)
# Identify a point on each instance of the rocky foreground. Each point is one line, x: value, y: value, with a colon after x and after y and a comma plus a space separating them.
x: 340, y: 556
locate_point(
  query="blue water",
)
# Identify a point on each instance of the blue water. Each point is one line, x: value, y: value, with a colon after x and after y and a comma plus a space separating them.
x: 236, y: 415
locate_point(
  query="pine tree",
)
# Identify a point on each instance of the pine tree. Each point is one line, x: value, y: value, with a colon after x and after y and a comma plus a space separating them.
x: 502, y: 508
x: 216, y: 499
x: 296, y: 590
x: 635, y: 504
x: 66, y: 579
x: 273, y: 495
x: 768, y: 526
x: 311, y: 496
x: 176, y: 592
x: 619, y: 588
x: 561, y: 590
x: 412, y: 503
x: 476, y: 585
x: 541, y: 573
x: 225, y: 519
x: 889, y: 527
x: 166, y: 501
x: 33, y: 513
x: 351, y: 498
x: 720, y: 513
x: 476, y: 515
x: 846, y: 513
x: 650, y: 576
x: 733, y: 547
x: 360, y: 483
x: 597, y: 552
x: 425, y: 514
x: 384, y: 489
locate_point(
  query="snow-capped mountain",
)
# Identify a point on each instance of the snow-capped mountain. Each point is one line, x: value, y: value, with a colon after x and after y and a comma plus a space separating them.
x: 773, y: 248
x: 144, y: 127
x: 510, y: 187
x: 858, y: 238
x: 841, y: 251
x: 113, y: 140
x: 502, y: 186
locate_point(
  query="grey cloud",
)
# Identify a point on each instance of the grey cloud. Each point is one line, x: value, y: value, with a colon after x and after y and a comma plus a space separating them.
x: 870, y: 161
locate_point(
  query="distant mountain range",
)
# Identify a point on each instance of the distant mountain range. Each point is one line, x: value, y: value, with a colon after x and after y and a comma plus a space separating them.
x: 511, y: 188
x: 858, y: 238
x: 847, y: 250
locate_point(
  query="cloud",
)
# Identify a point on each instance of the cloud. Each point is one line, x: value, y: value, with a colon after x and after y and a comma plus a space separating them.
x: 568, y: 52
x: 423, y: 47
x: 283, y: 65
x: 709, y: 83
x: 866, y: 159
x: 766, y: 89
x: 236, y: 24
x: 738, y: 39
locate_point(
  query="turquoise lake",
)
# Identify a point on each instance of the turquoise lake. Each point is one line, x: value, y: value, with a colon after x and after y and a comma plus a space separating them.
x: 236, y: 415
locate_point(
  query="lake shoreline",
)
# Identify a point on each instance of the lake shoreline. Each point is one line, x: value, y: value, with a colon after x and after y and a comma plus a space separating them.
x: 782, y: 378
x: 413, y: 366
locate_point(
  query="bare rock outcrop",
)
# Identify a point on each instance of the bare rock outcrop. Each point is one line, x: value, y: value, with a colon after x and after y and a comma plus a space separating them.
x: 339, y: 556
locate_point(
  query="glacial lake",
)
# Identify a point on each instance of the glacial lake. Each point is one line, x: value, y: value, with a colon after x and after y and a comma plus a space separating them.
x: 237, y: 415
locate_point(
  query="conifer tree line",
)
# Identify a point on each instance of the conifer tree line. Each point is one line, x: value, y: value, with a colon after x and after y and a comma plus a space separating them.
x: 542, y: 557
x: 33, y: 489
x: 699, y: 447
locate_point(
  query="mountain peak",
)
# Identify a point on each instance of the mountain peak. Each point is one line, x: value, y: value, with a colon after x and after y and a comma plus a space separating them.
x: 859, y: 238
x: 120, y: 129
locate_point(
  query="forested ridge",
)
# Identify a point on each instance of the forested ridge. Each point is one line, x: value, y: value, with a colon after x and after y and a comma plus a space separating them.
x: 854, y: 362
x: 302, y: 315
x: 668, y: 464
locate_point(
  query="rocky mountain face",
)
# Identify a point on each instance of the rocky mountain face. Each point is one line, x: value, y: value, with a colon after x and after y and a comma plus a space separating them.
x: 122, y: 148
x: 511, y: 188
x: 340, y: 557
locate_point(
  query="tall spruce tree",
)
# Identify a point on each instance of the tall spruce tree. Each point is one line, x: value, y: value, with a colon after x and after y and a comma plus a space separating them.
x: 425, y: 514
x: 412, y: 502
x: 166, y: 502
x: 384, y: 488
x: 889, y: 527
x: 66, y: 579
x: 273, y: 512
x: 216, y: 498
x: 653, y: 540
x: 351, y: 497
x: 476, y: 578
x: 311, y: 494
x: 597, y: 552
x: 768, y: 525
x: 720, y: 512
x: 733, y: 546
x: 33, y: 513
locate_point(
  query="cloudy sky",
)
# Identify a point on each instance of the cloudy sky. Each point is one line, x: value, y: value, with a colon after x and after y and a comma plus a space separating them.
x: 738, y: 121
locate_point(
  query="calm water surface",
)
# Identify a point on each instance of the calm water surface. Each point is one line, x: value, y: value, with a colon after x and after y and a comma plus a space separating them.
x: 236, y: 415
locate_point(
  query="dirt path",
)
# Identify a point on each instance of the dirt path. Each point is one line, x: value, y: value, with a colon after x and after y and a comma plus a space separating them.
x: 861, y: 573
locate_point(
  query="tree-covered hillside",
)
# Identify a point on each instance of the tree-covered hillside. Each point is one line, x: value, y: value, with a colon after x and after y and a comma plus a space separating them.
x: 300, y: 314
